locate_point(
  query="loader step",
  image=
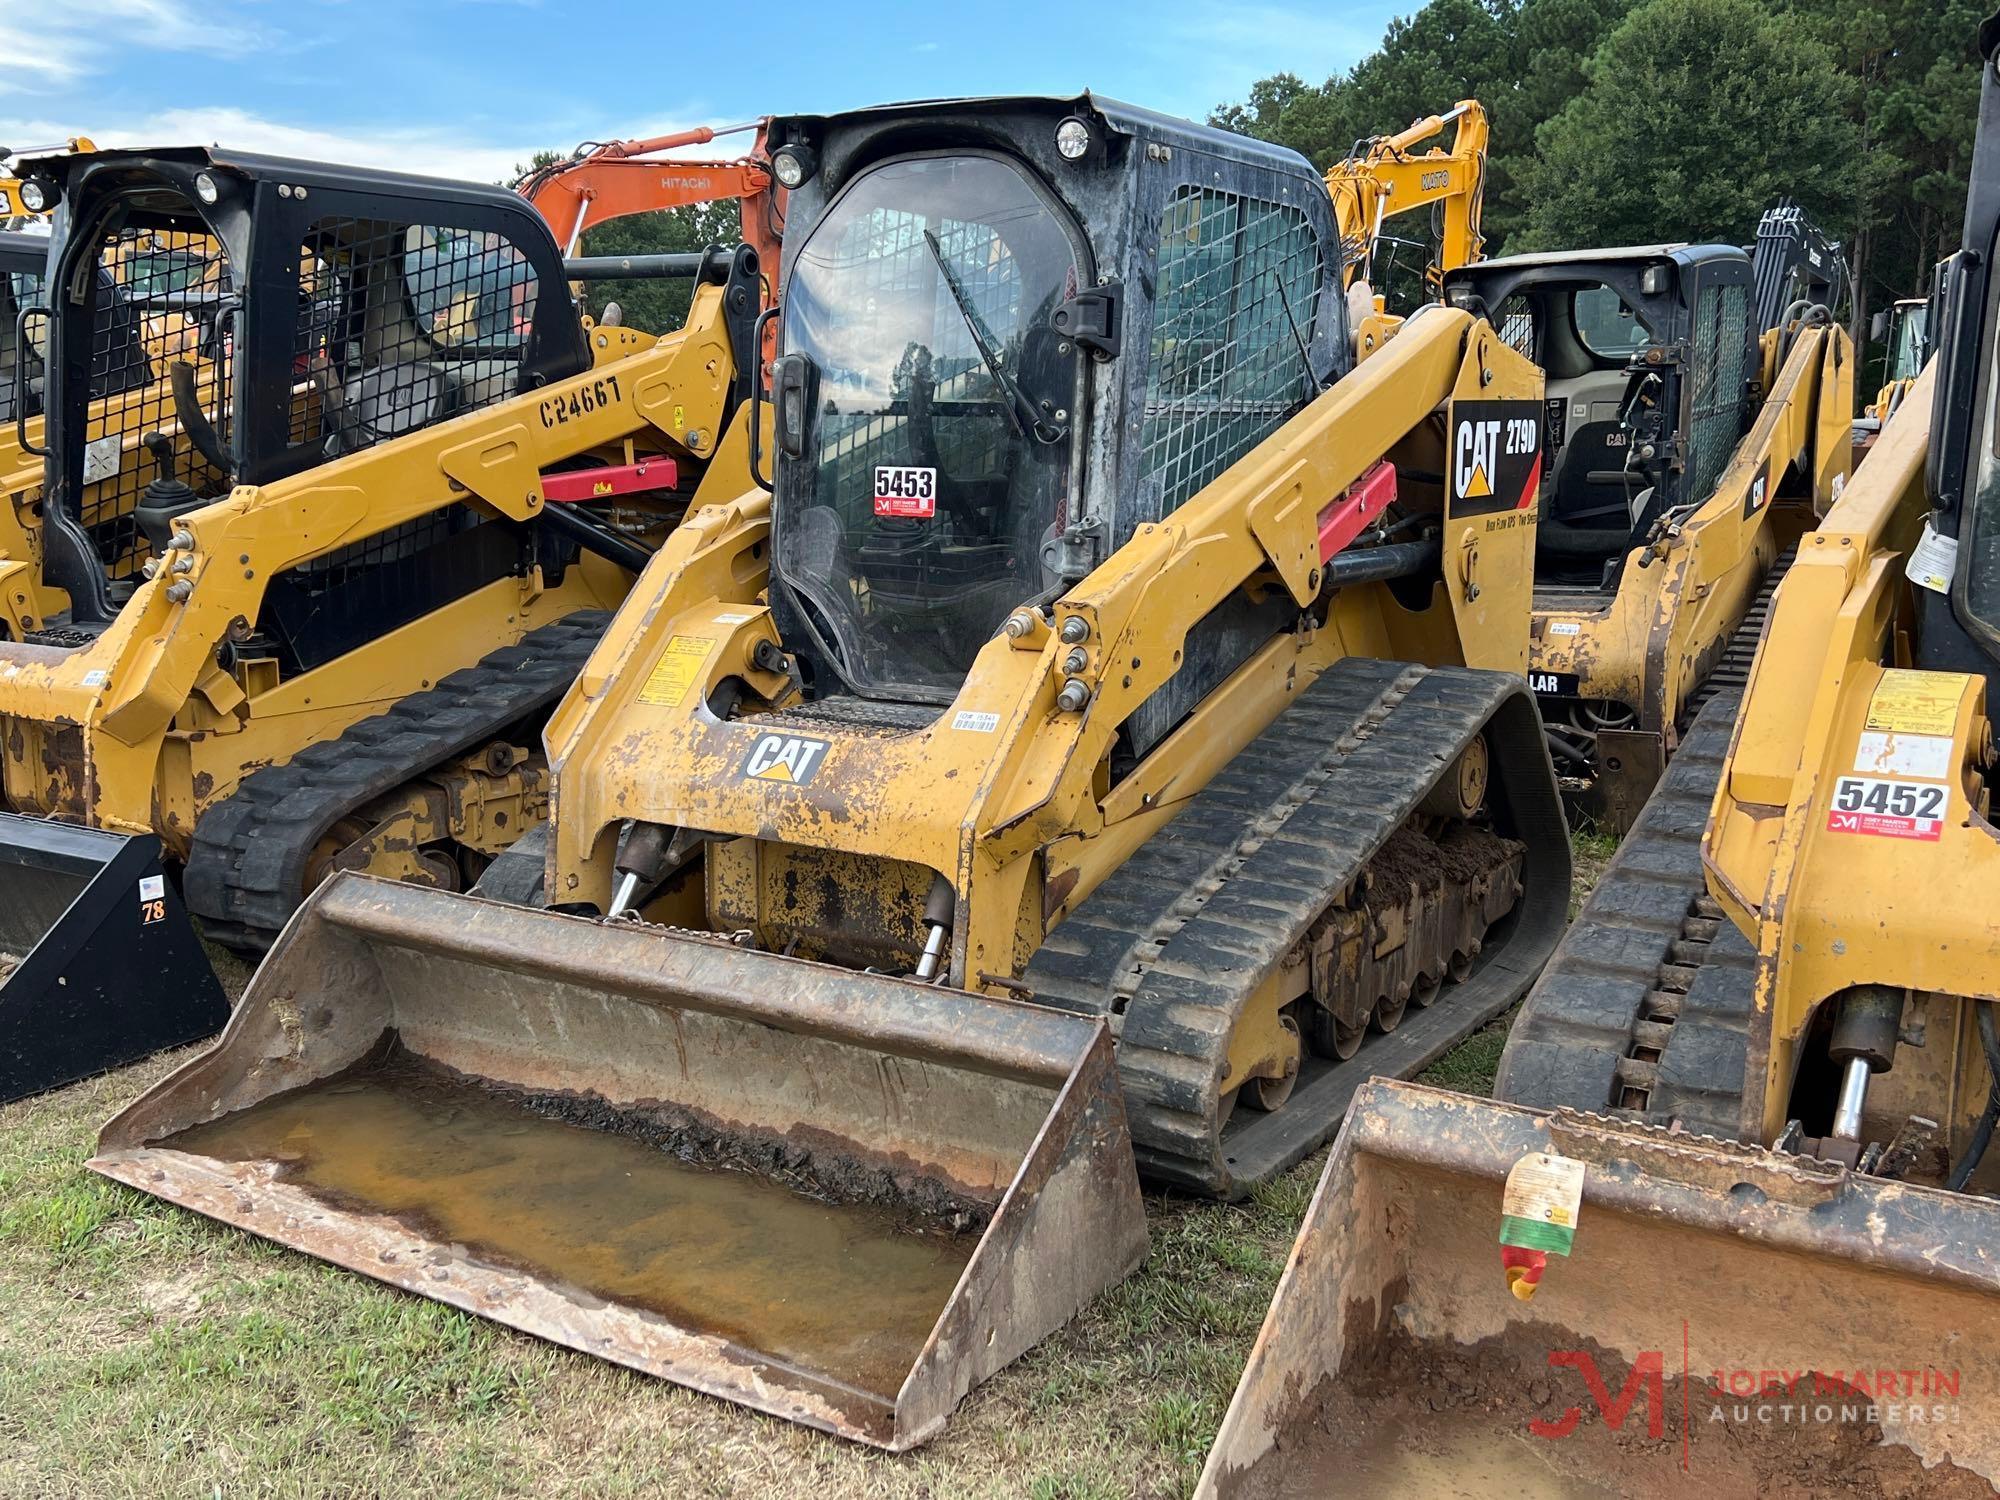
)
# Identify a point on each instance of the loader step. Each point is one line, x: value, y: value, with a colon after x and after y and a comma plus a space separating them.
x: 246, y: 871
x: 1644, y: 1010
x: 1173, y: 945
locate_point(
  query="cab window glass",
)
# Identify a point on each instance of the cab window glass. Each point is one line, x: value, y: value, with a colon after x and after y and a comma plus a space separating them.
x: 1606, y: 325
x: 468, y: 288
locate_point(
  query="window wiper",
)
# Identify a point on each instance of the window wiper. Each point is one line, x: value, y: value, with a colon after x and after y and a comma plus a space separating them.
x: 1025, y: 415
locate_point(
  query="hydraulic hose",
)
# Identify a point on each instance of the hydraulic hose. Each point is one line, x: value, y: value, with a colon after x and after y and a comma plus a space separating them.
x: 1982, y: 1133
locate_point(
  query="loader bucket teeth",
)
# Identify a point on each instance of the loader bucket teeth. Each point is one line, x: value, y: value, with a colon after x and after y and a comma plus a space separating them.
x: 1727, y: 1316
x: 99, y: 965
x: 837, y: 1197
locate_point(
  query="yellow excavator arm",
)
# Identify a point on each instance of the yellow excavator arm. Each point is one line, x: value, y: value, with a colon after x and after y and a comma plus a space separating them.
x: 1386, y: 178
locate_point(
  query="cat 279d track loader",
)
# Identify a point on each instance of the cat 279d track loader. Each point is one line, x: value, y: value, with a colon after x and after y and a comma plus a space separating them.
x: 1766, y: 1053
x: 291, y: 599
x: 1690, y: 443
x: 1081, y: 751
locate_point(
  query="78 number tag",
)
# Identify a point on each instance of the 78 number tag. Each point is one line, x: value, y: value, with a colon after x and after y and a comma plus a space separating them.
x: 906, y: 492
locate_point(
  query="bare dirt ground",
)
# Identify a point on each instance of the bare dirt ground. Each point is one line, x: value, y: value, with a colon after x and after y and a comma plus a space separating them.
x: 145, y: 1351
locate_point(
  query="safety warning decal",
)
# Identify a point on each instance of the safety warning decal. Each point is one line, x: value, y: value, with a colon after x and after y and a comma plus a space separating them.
x: 1887, y: 809
x: 1915, y: 702
x: 676, y: 670
x: 905, y: 492
x: 1496, y: 456
x: 791, y: 758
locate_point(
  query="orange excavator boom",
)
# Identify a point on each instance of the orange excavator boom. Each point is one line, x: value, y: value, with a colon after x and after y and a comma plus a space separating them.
x: 610, y: 180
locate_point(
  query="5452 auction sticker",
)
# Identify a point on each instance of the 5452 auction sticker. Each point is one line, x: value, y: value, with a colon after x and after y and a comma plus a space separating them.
x: 1887, y: 809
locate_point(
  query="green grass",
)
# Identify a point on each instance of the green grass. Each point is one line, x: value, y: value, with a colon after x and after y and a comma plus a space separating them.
x: 147, y: 1352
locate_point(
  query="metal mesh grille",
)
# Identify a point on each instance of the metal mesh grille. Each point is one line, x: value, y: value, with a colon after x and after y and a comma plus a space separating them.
x: 401, y: 325
x: 20, y: 369
x: 896, y: 267
x: 1721, y: 356
x: 1237, y: 276
x: 158, y: 293
x: 1515, y: 323
x: 909, y: 560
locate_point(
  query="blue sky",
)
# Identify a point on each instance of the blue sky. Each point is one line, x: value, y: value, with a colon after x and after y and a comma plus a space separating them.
x: 469, y: 87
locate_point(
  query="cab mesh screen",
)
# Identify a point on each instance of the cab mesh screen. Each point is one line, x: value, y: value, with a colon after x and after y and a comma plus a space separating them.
x: 1720, y: 370
x: 157, y: 301
x: 944, y: 365
x: 1237, y: 284
x: 399, y: 326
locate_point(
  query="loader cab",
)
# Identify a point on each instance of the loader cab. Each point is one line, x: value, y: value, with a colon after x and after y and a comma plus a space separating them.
x: 1650, y: 353
x: 23, y: 271
x: 1902, y: 332
x: 277, y: 315
x: 24, y: 300
x: 1015, y: 330
x: 1959, y: 631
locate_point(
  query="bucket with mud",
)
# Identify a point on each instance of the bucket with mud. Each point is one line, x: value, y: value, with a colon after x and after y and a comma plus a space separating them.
x: 837, y: 1197
x: 99, y: 965
x: 1727, y: 1320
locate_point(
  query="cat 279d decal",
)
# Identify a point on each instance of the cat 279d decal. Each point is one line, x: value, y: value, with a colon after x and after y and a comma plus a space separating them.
x: 1495, y: 456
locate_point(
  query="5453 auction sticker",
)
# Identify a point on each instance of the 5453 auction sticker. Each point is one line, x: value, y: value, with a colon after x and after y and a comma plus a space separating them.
x: 1886, y: 808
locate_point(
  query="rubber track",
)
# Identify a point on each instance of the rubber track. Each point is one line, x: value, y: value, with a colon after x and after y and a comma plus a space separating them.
x: 1731, y: 674
x: 1645, y: 1009
x: 1173, y: 942
x: 246, y: 872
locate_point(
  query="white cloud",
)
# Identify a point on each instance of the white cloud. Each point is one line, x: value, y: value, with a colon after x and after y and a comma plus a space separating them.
x: 431, y: 150
x: 48, y: 44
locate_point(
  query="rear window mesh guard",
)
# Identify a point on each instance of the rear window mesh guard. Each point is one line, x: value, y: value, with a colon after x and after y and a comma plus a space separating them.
x: 1238, y: 282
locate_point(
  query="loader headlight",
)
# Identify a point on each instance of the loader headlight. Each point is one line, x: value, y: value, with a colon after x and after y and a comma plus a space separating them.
x: 793, y: 165
x: 38, y: 195
x: 1072, y: 139
x: 205, y: 188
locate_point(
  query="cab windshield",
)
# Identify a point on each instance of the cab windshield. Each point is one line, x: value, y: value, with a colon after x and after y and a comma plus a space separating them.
x: 1906, y: 344
x: 939, y: 449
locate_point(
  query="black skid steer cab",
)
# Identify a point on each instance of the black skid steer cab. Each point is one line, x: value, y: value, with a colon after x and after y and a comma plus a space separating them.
x: 199, y: 320
x: 1649, y: 353
x: 23, y: 271
x: 1698, y: 412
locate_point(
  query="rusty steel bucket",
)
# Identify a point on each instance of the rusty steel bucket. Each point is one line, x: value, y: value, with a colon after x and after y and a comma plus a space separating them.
x: 1729, y: 1320
x: 836, y: 1197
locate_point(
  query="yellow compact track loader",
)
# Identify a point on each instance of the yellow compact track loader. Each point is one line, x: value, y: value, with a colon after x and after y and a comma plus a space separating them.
x: 1104, y: 745
x: 1690, y: 444
x: 1905, y: 332
x: 1765, y: 1056
x: 288, y: 595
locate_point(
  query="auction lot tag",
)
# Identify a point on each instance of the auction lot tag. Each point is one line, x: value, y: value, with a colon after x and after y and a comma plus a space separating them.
x: 1887, y: 809
x: 905, y: 492
x: 1540, y: 1204
x: 1933, y: 561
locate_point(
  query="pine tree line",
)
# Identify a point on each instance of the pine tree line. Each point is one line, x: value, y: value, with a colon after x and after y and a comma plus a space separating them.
x: 1635, y: 121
